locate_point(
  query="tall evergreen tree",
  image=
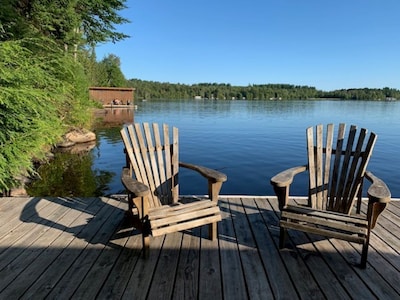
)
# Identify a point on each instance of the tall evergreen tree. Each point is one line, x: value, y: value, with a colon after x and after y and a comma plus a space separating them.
x: 70, y: 22
x: 109, y: 72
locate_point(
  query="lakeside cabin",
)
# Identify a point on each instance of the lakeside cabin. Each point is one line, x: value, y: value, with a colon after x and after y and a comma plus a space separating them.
x: 112, y: 96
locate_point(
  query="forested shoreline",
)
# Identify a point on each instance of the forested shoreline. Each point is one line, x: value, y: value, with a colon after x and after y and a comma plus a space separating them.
x: 221, y: 91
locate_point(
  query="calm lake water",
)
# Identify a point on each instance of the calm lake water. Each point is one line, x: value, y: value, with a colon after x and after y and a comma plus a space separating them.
x: 250, y: 141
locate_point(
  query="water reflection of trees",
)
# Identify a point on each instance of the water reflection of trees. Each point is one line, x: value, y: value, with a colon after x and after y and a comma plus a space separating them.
x: 70, y: 175
x: 111, y: 135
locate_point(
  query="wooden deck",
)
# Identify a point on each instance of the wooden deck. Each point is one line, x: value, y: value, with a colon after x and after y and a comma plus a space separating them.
x: 59, y: 248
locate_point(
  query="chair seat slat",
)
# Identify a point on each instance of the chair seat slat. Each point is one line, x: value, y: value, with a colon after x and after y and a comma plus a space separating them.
x: 186, y: 225
x: 324, y: 232
x: 356, y: 219
x: 325, y: 222
x: 184, y: 217
x: 177, y: 209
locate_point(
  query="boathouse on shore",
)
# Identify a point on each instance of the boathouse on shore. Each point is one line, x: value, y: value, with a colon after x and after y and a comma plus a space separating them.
x: 106, y: 95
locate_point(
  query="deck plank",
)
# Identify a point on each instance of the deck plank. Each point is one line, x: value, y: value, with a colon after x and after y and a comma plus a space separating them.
x: 345, y: 274
x: 253, y: 269
x: 98, y: 273
x: 233, y: 282
x: 310, y: 252
x: 140, y: 280
x: 9, y: 209
x: 369, y: 276
x: 280, y: 281
x: 306, y: 285
x: 210, y: 282
x: 62, y: 248
x: 36, y: 265
x: 26, y: 249
x: 115, y: 285
x: 61, y: 254
x: 90, y: 243
x: 14, y: 232
x: 187, y: 277
x: 165, y: 272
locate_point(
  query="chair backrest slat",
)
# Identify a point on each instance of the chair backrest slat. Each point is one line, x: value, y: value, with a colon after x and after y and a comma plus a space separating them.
x: 175, y: 166
x: 151, y: 151
x: 319, y: 166
x: 336, y: 167
x: 139, y: 169
x: 352, y: 182
x: 128, y: 142
x: 366, y: 155
x: 327, y: 167
x: 160, y: 158
x: 312, y: 167
x: 337, y: 188
x: 340, y: 201
x: 152, y: 160
x: 144, y: 157
x: 168, y: 162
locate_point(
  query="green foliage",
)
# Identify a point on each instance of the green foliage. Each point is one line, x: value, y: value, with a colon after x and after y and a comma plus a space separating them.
x: 364, y: 94
x: 68, y: 22
x: 56, y: 19
x: 40, y: 90
x: 99, y: 18
x: 165, y: 90
x: 12, y: 24
x: 43, y: 89
x: 109, y: 72
x: 157, y: 90
x: 87, y: 58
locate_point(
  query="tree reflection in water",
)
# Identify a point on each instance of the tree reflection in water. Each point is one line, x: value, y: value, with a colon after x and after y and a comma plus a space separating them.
x: 70, y: 174
x: 83, y: 171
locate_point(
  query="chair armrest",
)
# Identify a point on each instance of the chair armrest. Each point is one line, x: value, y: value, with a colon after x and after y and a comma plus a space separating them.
x: 378, y: 191
x: 285, y: 178
x: 210, y: 174
x: 135, y: 187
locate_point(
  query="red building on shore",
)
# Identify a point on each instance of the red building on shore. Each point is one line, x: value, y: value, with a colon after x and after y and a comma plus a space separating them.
x: 109, y: 95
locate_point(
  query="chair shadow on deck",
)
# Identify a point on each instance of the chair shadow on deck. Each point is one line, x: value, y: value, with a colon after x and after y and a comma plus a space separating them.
x: 86, y: 217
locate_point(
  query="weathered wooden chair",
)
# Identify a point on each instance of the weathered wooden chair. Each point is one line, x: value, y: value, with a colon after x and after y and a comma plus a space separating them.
x: 151, y: 180
x: 335, y: 188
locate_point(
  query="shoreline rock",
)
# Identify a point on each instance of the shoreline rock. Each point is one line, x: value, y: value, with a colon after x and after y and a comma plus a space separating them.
x: 77, y: 136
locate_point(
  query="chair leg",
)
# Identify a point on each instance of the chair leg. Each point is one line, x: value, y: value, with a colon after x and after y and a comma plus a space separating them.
x: 146, y: 230
x: 212, y: 231
x: 364, y: 253
x: 282, y: 237
x: 146, y: 245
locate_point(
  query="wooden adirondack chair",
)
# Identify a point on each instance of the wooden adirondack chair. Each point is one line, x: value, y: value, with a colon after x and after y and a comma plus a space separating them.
x: 336, y: 178
x: 151, y: 180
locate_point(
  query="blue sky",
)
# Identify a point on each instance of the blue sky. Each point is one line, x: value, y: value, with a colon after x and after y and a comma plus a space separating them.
x: 326, y: 44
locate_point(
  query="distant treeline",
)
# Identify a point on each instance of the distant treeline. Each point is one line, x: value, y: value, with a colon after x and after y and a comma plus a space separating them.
x: 165, y: 90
